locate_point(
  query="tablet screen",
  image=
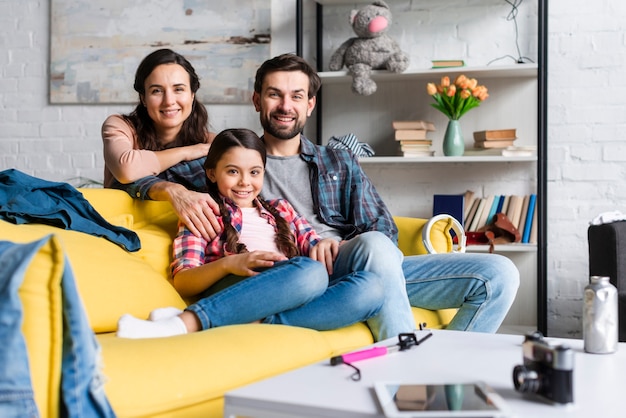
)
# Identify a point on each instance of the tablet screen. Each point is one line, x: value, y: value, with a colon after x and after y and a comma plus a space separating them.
x: 415, y: 400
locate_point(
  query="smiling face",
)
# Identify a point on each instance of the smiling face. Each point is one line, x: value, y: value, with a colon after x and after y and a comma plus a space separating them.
x: 239, y: 175
x: 283, y: 103
x: 168, y: 99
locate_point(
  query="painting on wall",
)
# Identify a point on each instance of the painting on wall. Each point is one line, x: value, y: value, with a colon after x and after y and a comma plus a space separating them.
x: 97, y: 45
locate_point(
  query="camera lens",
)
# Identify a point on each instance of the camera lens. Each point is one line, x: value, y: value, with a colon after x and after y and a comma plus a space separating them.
x: 526, y: 380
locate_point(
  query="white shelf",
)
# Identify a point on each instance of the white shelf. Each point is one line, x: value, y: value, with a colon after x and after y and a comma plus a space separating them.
x: 500, y: 71
x: 442, y: 159
x: 503, y: 248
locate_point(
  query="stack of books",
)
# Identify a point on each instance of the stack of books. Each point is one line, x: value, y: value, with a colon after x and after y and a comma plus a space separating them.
x: 520, y: 209
x: 412, y: 135
x: 495, y: 138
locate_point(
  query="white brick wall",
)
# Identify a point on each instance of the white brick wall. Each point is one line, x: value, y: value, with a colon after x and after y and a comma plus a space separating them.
x: 586, y: 116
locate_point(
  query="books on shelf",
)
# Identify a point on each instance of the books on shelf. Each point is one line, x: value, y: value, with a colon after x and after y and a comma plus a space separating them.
x: 501, y: 143
x: 509, y: 151
x: 495, y: 134
x: 447, y: 63
x: 413, y: 124
x: 413, y: 137
x: 520, y: 209
x: 449, y: 204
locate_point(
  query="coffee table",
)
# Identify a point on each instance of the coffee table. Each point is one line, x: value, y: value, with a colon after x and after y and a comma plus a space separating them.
x: 322, y: 390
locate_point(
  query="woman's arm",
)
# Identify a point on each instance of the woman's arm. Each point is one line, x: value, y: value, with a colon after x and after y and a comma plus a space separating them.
x: 127, y: 163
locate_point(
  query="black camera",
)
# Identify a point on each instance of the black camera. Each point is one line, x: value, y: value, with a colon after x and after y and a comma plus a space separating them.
x: 547, y: 370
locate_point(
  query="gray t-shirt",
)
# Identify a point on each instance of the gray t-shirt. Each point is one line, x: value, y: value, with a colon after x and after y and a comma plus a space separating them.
x: 288, y: 178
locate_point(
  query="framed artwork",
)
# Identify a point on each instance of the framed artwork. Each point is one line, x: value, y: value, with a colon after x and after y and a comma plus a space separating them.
x: 97, y: 45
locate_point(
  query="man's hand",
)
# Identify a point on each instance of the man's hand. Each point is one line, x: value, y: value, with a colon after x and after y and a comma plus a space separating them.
x: 325, y: 252
x: 198, y: 212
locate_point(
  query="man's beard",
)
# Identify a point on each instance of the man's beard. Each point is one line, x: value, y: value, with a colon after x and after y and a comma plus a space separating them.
x: 280, y: 132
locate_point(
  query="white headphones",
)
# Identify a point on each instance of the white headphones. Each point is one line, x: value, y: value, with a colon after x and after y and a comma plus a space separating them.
x: 456, y: 227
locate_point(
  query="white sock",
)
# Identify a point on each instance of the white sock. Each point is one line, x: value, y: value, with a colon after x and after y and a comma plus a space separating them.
x: 130, y: 327
x: 164, y: 313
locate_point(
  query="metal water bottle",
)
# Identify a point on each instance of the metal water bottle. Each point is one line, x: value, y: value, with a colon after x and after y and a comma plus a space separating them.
x: 600, y: 316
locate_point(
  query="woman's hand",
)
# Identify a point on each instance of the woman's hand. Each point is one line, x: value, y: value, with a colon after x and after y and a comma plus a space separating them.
x: 193, y: 152
x: 325, y: 252
x: 244, y: 264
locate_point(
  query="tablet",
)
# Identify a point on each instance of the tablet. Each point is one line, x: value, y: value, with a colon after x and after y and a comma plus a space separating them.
x: 475, y: 399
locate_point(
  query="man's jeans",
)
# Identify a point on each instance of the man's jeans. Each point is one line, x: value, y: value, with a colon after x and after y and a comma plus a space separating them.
x: 294, y: 292
x: 82, y: 393
x: 481, y: 286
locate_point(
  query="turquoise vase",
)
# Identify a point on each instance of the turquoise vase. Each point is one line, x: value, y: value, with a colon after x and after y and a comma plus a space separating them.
x: 453, y: 144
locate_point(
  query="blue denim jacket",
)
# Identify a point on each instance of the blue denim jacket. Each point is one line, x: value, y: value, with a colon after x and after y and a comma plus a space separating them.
x: 82, y: 391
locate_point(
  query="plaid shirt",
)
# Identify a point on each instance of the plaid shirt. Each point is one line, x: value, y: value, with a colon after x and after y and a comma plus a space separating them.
x: 191, y: 251
x: 190, y: 174
x: 343, y: 195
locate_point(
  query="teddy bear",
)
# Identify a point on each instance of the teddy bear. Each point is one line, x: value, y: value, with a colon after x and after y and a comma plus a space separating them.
x: 372, y: 49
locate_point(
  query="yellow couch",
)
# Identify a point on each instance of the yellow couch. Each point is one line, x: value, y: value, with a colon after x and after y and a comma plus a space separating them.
x: 184, y: 376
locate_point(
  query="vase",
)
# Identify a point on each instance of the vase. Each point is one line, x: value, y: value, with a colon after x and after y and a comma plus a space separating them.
x: 453, y: 144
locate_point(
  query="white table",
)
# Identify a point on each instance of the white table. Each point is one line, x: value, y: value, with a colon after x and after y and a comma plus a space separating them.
x: 322, y: 390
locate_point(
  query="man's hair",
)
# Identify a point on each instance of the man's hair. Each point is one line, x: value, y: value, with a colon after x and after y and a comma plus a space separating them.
x: 194, y: 130
x: 288, y: 62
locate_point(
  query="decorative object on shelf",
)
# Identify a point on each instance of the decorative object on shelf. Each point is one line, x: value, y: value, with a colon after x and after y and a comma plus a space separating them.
x: 372, y: 49
x: 454, y: 100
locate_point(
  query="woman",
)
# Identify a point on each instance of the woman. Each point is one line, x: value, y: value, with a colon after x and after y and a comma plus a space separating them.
x: 169, y: 126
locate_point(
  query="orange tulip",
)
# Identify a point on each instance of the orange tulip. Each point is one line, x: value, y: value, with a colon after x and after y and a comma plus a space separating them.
x: 431, y: 89
x: 472, y: 83
x: 451, y: 91
x: 445, y: 81
x: 460, y: 81
x: 465, y: 94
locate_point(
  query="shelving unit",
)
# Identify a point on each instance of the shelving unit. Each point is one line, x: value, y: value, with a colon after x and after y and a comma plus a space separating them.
x: 518, y: 86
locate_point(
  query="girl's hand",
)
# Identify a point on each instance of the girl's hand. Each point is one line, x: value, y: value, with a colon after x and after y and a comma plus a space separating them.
x: 244, y: 264
x: 325, y: 252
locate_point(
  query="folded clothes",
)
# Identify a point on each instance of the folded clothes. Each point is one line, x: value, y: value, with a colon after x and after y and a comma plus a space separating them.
x: 608, y: 217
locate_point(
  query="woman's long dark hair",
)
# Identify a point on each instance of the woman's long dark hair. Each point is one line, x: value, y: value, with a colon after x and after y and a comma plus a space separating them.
x: 194, y: 130
x: 245, y: 138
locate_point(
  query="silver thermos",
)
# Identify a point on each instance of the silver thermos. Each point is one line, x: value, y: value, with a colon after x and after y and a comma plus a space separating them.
x: 600, y: 328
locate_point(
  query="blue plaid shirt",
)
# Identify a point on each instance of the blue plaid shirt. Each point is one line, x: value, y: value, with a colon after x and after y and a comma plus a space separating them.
x: 190, y: 174
x: 343, y: 195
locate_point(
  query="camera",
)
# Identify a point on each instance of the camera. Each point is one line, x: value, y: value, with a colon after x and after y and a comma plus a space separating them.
x: 547, y: 370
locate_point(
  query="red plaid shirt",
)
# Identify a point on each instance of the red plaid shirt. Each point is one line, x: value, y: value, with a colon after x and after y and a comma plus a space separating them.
x: 191, y: 251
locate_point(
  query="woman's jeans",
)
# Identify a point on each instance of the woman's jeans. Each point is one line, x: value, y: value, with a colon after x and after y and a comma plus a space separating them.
x: 481, y: 286
x: 82, y: 393
x: 294, y: 292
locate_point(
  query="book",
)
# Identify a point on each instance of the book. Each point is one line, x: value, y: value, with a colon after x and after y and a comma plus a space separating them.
x: 482, y: 221
x: 449, y: 204
x: 522, y: 217
x: 472, y: 211
x: 425, y: 153
x: 413, y: 124
x: 533, y: 228
x: 519, y: 151
x: 447, y: 63
x: 409, y: 142
x: 417, y: 147
x: 515, y: 209
x: 492, y: 210
x: 402, y: 134
x: 495, y: 134
x: 500, y: 204
x: 530, y: 216
x: 494, y: 143
x: 479, y: 210
x: 505, y: 204
x: 467, y: 203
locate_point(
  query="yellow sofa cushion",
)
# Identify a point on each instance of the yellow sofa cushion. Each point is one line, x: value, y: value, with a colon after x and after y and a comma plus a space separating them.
x: 111, y: 281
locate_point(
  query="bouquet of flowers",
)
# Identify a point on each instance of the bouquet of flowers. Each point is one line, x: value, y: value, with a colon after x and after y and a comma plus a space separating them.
x: 454, y: 100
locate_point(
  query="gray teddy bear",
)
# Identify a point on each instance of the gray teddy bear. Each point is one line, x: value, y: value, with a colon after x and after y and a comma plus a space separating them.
x: 372, y: 49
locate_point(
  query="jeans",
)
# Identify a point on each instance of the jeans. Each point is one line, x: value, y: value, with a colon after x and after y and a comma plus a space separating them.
x: 481, y: 286
x: 294, y: 292
x: 375, y: 252
x: 82, y: 392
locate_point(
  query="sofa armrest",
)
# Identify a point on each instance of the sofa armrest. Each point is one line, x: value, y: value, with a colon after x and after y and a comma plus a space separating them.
x: 410, y: 235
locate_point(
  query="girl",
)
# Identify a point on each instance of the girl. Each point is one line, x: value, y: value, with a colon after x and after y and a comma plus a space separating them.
x: 257, y: 269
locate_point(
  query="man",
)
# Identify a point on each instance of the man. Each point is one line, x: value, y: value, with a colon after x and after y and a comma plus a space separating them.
x: 328, y: 187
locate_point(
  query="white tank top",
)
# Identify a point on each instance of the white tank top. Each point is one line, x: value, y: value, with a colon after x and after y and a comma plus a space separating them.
x: 256, y: 232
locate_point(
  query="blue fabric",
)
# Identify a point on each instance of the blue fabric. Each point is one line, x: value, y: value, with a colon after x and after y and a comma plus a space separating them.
x: 190, y: 174
x: 82, y: 392
x: 27, y: 199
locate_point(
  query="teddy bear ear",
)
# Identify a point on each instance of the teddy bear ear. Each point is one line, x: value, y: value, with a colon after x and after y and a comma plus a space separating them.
x: 353, y: 14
